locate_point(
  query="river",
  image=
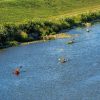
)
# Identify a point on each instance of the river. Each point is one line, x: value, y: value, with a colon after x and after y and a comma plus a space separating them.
x: 43, y: 77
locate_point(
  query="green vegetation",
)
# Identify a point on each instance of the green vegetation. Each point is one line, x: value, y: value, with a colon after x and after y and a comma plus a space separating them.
x: 38, y: 30
x: 18, y: 11
x: 31, y: 20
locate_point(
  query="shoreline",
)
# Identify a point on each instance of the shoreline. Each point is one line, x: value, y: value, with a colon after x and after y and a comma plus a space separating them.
x: 34, y: 32
x: 61, y: 35
x: 52, y: 37
x: 49, y: 38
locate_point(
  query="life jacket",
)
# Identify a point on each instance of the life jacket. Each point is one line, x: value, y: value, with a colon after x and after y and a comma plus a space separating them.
x: 17, y: 72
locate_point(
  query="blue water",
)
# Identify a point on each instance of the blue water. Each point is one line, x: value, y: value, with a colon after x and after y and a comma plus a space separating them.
x: 44, y: 78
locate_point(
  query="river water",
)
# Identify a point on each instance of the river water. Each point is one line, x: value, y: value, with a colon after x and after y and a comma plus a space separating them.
x: 42, y: 77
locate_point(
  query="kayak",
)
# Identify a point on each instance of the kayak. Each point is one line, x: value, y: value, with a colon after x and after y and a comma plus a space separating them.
x: 70, y: 42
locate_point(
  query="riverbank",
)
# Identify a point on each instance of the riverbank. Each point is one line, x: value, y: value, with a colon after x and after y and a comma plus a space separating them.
x: 13, y: 34
x: 45, y: 39
x: 51, y: 37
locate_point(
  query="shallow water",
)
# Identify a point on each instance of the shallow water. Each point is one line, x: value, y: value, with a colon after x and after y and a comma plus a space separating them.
x: 44, y: 78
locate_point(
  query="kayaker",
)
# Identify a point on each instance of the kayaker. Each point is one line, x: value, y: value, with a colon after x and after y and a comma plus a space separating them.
x: 17, y: 71
x: 62, y: 60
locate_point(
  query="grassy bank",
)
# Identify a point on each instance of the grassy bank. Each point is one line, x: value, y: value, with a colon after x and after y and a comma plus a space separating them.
x: 12, y: 34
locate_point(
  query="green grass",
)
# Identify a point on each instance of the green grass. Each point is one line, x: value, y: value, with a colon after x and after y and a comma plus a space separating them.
x: 19, y: 11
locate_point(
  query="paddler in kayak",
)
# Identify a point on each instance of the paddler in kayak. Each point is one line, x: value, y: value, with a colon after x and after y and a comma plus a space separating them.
x: 17, y: 70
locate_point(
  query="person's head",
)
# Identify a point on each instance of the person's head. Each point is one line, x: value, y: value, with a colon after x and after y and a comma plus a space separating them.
x: 17, y: 69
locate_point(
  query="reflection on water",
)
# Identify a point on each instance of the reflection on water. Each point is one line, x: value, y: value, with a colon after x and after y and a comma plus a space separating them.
x: 44, y: 78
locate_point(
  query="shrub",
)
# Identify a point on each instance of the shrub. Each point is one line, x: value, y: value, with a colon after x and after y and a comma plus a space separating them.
x: 21, y: 36
x: 90, y: 17
x: 12, y: 43
x: 53, y: 33
x: 70, y: 21
x: 10, y: 31
x: 3, y: 39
